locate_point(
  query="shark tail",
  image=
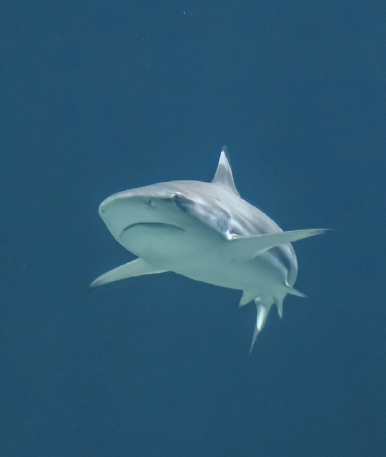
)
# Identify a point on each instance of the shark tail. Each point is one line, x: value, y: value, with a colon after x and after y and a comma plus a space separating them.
x: 263, y: 306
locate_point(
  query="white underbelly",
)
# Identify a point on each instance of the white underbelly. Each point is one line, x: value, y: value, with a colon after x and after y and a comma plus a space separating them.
x: 202, y: 256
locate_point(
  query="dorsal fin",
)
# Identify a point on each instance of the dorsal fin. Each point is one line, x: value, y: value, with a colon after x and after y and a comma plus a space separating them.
x: 224, y: 176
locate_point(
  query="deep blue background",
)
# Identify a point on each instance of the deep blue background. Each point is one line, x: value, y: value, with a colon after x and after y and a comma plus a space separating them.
x: 98, y: 97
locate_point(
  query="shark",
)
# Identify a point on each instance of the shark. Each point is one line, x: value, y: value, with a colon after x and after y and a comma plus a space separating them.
x: 206, y: 232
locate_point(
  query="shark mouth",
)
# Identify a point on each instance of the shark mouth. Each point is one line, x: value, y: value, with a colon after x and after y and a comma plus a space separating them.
x: 153, y: 225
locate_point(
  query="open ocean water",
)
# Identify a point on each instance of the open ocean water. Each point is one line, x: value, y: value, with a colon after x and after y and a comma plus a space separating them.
x: 97, y: 97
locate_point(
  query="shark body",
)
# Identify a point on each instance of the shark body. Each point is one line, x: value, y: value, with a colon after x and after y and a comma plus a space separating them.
x: 206, y: 232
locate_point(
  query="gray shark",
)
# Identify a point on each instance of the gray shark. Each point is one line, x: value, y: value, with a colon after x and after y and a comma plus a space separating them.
x: 206, y: 232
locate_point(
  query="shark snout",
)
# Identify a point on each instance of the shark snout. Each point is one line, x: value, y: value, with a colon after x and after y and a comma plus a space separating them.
x: 106, y: 205
x: 123, y: 211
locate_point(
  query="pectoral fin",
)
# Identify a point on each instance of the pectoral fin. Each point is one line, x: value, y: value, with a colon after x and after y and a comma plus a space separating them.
x: 137, y: 267
x: 251, y: 246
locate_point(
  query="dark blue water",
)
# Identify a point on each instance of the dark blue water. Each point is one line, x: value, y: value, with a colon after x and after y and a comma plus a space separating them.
x: 98, y: 97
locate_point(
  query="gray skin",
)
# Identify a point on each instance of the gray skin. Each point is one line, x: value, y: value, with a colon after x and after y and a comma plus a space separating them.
x: 206, y: 232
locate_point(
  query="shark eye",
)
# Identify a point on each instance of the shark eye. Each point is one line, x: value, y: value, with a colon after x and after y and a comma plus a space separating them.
x: 176, y: 199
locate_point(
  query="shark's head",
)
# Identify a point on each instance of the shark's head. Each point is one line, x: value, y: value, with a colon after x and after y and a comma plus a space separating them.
x: 160, y: 222
x: 146, y: 206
